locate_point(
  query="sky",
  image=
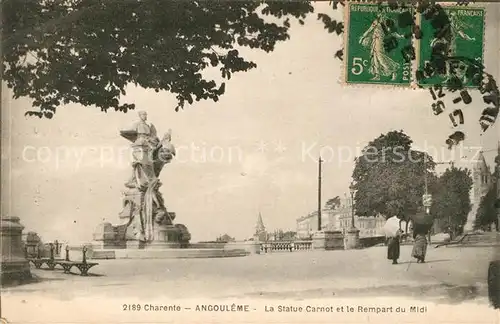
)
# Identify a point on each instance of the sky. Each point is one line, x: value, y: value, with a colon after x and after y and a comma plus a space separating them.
x: 253, y: 151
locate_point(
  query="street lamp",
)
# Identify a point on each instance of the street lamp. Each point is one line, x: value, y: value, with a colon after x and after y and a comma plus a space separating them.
x: 353, y: 191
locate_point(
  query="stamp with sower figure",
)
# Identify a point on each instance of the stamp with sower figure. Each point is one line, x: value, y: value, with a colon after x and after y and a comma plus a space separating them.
x: 463, y: 44
x: 378, y: 45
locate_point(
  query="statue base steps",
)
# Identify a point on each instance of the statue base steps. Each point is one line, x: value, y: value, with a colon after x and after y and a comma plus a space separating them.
x: 109, y: 237
x: 168, y: 253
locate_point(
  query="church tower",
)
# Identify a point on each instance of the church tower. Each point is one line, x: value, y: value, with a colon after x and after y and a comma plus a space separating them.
x: 260, y: 229
x: 481, y: 182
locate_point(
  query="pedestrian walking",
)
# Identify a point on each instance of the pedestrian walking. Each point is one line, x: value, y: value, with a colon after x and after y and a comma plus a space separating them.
x: 420, y: 245
x: 393, y: 232
x: 422, y: 226
x: 393, y: 246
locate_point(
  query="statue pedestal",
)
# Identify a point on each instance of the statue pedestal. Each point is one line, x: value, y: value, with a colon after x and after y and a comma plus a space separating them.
x: 105, y: 237
x: 14, y: 266
x: 165, y: 237
x: 135, y: 245
x: 109, y: 237
x: 327, y: 240
x: 352, y: 239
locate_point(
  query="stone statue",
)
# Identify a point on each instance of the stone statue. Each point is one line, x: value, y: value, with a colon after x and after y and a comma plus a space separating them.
x: 145, y: 221
x: 164, y: 153
x: 143, y: 205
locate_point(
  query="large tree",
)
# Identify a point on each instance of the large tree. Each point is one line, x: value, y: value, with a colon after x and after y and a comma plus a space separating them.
x: 487, y: 210
x: 57, y: 52
x: 333, y: 203
x: 389, y: 177
x: 87, y: 51
x: 451, y: 199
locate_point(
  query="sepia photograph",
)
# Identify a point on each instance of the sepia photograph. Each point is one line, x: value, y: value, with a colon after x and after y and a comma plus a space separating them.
x: 241, y: 161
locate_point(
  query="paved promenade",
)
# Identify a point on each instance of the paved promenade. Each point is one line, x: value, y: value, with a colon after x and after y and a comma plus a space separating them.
x: 450, y: 276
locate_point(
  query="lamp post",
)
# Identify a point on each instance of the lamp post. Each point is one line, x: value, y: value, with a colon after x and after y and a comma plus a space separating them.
x: 353, y: 191
x: 319, y: 193
x: 352, y: 234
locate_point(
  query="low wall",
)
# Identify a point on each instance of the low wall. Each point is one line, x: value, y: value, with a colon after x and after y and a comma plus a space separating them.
x: 252, y: 247
x: 168, y: 253
x: 366, y: 242
x: 194, y: 250
x: 207, y: 245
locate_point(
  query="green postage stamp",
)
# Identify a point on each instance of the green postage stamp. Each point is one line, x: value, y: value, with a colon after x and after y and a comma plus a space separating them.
x: 466, y: 42
x: 374, y: 46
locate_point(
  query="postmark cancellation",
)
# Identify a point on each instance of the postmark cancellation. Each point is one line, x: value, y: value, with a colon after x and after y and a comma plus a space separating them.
x: 465, y: 43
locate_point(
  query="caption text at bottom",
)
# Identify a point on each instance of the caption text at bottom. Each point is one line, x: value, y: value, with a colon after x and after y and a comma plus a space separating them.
x: 276, y: 308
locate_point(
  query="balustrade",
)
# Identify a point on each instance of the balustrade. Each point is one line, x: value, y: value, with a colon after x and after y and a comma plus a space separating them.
x: 285, y: 246
x: 306, y: 245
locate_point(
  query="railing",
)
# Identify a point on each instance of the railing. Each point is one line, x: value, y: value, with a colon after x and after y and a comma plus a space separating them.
x: 285, y: 246
x: 302, y: 245
x: 306, y: 245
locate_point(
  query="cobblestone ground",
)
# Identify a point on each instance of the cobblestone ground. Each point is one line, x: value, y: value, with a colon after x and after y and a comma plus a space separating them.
x: 295, y: 275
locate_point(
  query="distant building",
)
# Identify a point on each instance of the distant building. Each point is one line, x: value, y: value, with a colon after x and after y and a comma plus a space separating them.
x: 345, y: 214
x: 225, y: 238
x: 368, y: 226
x: 330, y: 219
x: 482, y: 180
x: 339, y: 219
x: 307, y: 225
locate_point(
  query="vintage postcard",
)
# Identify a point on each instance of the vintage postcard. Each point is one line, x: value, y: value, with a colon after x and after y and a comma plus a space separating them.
x: 249, y: 162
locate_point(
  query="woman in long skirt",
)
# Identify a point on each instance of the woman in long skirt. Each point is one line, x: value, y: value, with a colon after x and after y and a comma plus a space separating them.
x: 393, y: 247
x: 420, y: 245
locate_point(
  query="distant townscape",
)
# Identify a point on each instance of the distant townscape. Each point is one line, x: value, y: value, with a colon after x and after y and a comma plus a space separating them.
x: 186, y: 161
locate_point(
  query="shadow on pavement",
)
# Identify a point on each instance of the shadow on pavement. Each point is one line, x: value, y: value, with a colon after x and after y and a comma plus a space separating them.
x: 426, y: 262
x: 27, y: 281
x: 439, y: 293
x: 88, y: 275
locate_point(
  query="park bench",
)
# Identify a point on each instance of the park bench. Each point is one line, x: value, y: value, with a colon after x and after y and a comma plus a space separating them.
x: 83, y: 265
x: 38, y: 261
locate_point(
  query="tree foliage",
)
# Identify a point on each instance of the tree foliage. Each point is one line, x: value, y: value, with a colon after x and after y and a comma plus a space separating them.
x: 451, y: 199
x: 487, y: 211
x: 389, y: 177
x: 288, y: 236
x: 333, y: 203
x: 87, y: 51
x: 57, y: 52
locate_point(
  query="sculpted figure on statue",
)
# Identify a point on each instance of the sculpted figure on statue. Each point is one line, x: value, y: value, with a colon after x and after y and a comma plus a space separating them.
x: 143, y: 203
